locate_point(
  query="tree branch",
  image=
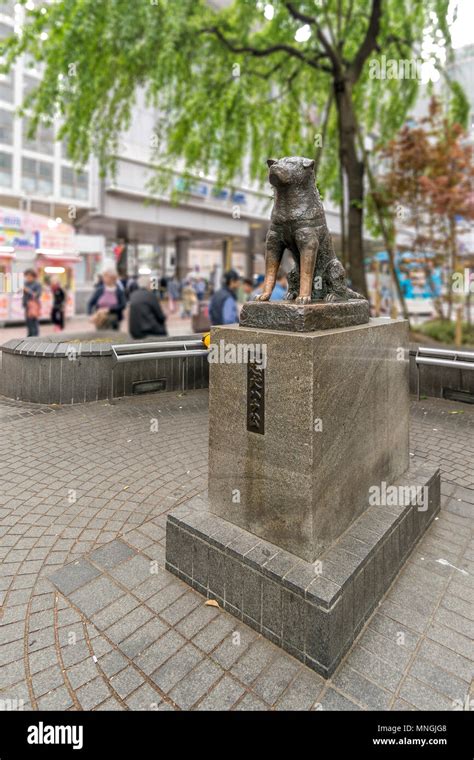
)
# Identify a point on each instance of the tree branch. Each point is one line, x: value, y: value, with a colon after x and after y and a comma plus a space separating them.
x: 312, y: 21
x: 369, y: 42
x: 344, y: 34
x: 303, y: 17
x: 263, y: 52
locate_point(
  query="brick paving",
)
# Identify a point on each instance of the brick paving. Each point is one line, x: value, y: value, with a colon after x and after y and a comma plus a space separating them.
x: 91, y: 620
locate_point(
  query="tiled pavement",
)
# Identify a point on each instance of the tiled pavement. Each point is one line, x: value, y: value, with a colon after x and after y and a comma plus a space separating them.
x: 90, y: 486
x: 175, y: 325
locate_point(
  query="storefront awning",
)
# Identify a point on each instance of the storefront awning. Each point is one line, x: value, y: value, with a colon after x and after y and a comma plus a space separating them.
x: 58, y: 257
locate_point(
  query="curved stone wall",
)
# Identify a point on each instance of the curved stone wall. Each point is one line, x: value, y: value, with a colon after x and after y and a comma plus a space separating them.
x: 437, y: 381
x: 59, y: 370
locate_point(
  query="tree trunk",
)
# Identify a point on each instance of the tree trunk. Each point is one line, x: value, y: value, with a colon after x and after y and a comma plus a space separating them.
x: 388, y: 231
x: 355, y: 243
x: 354, y: 169
x: 342, y: 217
x: 452, y: 263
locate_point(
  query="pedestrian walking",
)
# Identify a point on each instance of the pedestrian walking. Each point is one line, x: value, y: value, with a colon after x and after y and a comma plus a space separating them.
x: 58, y: 306
x: 247, y: 289
x: 189, y: 300
x: 31, y: 302
x: 173, y: 294
x: 200, y: 288
x: 223, y: 307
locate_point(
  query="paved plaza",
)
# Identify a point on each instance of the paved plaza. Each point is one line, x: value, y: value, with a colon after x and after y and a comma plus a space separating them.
x: 91, y: 620
x: 175, y: 325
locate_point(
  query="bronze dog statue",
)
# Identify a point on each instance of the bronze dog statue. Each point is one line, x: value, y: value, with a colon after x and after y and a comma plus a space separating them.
x: 298, y: 223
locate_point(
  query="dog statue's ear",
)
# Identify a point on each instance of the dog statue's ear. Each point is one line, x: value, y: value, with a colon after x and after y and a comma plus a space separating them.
x: 271, y: 161
x: 308, y: 163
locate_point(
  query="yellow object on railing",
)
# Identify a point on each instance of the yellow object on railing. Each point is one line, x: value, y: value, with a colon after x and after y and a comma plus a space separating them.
x: 206, y: 339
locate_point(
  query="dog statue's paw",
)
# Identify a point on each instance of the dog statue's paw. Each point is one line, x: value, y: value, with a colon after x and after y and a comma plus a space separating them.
x: 354, y: 296
x: 263, y: 296
x: 303, y: 299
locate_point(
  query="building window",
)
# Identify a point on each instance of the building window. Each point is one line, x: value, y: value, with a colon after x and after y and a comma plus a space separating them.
x: 6, y: 87
x: 37, y: 177
x: 6, y: 127
x: 5, y: 169
x: 5, y: 29
x: 74, y: 184
x: 42, y: 142
x: 7, y: 8
x: 65, y: 148
x: 29, y: 84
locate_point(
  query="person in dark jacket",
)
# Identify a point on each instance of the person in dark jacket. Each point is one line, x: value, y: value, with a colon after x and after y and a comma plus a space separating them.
x: 223, y: 307
x: 59, y: 304
x: 145, y: 316
x: 108, y: 302
x: 163, y: 287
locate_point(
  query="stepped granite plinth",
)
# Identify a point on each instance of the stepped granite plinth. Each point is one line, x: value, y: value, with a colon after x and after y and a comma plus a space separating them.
x: 312, y: 610
x: 312, y: 507
x: 293, y: 317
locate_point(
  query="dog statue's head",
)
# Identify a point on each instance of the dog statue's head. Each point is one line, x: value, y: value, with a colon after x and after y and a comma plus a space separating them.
x: 293, y: 170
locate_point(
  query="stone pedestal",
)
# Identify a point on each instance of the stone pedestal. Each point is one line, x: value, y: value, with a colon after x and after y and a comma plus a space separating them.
x: 312, y: 506
x: 292, y: 317
x: 333, y: 416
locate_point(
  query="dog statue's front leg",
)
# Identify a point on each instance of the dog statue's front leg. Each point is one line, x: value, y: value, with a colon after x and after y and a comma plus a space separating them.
x: 274, y: 248
x: 307, y: 266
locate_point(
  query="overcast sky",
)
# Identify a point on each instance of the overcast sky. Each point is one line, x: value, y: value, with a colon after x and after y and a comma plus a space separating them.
x: 461, y: 30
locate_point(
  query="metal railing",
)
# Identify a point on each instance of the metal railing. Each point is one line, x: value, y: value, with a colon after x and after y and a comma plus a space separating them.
x: 163, y: 349
x: 442, y: 357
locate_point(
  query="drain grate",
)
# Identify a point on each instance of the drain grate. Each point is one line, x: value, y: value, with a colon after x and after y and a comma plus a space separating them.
x: 149, y: 386
x: 465, y: 396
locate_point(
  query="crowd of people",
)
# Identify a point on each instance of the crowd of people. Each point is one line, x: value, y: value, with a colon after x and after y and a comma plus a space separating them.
x: 142, y: 297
